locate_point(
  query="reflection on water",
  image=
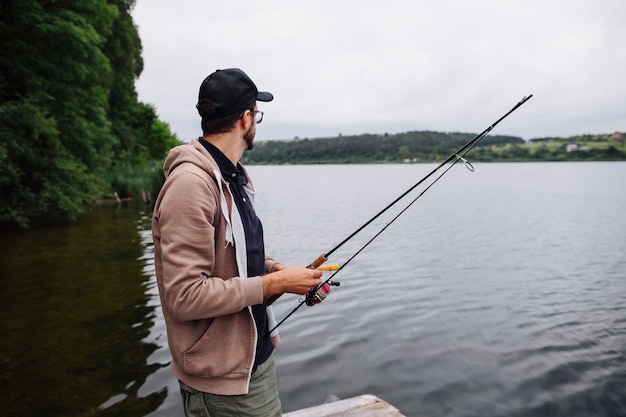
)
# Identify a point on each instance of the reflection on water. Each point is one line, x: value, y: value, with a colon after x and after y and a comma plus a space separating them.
x: 75, y: 323
x: 502, y: 293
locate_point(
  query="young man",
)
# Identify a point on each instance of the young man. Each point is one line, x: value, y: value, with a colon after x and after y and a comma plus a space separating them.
x: 213, y: 274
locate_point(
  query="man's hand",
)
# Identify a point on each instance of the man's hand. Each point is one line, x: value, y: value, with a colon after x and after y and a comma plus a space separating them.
x: 291, y: 279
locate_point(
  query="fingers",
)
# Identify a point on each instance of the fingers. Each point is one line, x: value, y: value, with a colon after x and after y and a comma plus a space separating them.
x: 291, y: 279
x: 318, y: 279
x: 303, y: 280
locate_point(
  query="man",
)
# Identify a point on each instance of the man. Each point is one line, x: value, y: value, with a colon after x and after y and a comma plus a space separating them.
x: 213, y: 275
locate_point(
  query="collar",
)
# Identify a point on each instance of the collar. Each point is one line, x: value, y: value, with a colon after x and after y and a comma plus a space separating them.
x: 229, y: 171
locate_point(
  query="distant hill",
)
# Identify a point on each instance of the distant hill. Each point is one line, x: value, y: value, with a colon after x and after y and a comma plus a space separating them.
x: 429, y: 146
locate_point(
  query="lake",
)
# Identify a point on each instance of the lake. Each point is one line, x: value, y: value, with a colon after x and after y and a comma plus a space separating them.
x: 499, y: 292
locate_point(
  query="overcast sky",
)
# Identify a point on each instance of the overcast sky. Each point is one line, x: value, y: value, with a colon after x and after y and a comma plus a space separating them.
x: 387, y: 66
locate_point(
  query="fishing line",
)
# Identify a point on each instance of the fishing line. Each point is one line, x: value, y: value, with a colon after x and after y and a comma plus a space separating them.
x: 458, y: 155
x: 362, y: 248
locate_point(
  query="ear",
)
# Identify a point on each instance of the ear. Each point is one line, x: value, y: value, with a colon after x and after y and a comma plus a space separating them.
x: 246, y: 120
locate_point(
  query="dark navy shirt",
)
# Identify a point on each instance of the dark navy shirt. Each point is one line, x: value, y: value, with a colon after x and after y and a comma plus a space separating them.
x: 255, y: 246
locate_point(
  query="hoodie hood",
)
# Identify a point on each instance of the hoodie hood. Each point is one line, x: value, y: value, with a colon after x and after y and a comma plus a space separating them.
x: 193, y: 153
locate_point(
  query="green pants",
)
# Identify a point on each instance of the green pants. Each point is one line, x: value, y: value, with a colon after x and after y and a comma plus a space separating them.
x: 261, y: 401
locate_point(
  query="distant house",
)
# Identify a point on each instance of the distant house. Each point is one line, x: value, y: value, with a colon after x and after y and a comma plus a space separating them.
x: 571, y: 147
x: 617, y: 136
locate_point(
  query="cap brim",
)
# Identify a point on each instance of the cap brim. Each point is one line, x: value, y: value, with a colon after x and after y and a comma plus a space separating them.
x: 264, y: 96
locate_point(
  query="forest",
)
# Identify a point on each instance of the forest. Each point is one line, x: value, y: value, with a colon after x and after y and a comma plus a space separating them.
x: 71, y: 127
x: 427, y: 146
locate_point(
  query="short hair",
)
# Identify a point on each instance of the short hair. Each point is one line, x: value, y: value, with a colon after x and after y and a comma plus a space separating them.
x: 211, y: 125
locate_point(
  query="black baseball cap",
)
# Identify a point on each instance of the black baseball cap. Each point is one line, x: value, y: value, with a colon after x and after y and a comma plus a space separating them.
x: 229, y: 91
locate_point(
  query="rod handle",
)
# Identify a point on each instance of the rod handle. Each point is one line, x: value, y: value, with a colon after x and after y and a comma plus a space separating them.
x: 319, y: 261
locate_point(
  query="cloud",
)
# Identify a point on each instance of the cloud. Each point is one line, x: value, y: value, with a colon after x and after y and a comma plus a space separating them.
x: 366, y: 66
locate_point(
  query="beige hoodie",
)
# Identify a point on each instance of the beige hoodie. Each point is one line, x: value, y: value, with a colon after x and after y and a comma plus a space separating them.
x: 205, y: 301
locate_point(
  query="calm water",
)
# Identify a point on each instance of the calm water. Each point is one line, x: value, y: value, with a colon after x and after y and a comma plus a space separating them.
x: 500, y: 292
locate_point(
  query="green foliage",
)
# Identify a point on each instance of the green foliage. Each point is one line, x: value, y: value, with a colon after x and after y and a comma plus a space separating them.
x: 52, y: 56
x: 72, y: 128
x: 132, y: 179
x: 433, y: 147
x: 37, y: 173
x: 424, y: 146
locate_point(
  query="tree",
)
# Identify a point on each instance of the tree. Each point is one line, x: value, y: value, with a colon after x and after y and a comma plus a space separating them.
x: 69, y: 112
x: 54, y: 87
x: 37, y: 173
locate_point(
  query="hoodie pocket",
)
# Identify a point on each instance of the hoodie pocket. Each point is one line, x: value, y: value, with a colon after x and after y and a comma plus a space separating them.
x: 220, y: 351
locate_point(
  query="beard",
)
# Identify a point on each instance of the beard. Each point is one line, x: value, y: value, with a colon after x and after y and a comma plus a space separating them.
x: 248, y: 136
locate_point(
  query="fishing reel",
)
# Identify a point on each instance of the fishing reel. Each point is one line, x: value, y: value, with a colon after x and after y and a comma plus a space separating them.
x: 320, y: 293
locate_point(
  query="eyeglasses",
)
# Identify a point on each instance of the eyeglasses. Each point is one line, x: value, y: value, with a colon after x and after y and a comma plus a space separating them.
x: 258, y: 116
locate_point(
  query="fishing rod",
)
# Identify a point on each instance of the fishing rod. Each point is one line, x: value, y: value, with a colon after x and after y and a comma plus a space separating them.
x: 317, y: 294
